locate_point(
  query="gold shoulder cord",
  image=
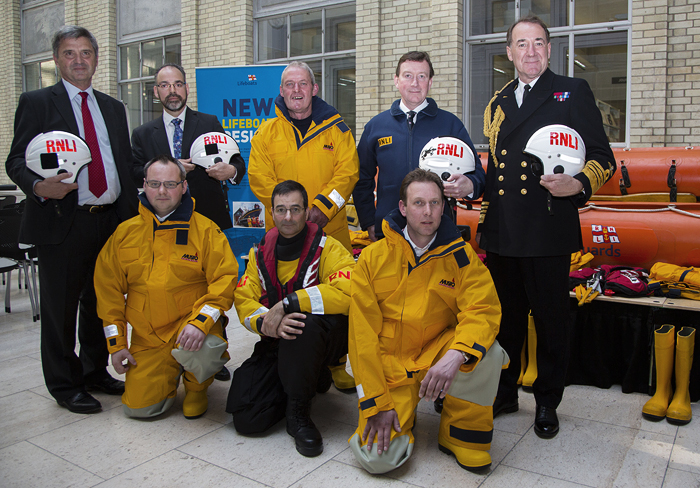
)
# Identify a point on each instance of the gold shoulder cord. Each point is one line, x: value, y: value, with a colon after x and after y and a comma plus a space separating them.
x: 491, y: 128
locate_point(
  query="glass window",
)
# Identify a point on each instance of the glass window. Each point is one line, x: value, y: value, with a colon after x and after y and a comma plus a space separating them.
x: 601, y: 59
x: 272, y: 38
x: 307, y: 33
x: 138, y: 63
x: 323, y: 37
x: 596, y: 11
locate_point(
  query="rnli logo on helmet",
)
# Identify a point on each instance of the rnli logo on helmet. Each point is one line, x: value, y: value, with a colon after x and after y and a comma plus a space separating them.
x: 215, y: 139
x: 61, y: 145
x: 450, y: 150
x: 563, y: 139
x: 190, y: 257
x: 328, y: 147
x: 448, y: 283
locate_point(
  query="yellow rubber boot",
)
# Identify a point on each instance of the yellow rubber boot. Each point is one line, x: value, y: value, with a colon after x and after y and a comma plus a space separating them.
x: 341, y: 379
x: 655, y: 409
x: 531, y: 371
x: 466, y: 430
x: 679, y: 412
x: 196, y: 402
x: 523, y: 363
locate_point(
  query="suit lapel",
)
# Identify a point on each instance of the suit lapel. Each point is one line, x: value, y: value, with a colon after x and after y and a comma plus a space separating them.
x: 59, y: 95
x: 160, y: 138
x: 191, y: 122
x: 539, y: 94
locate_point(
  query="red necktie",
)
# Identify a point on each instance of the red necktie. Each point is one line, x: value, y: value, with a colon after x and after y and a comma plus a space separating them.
x: 96, y: 169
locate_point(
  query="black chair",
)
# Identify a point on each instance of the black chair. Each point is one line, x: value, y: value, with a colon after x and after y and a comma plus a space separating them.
x: 7, y: 200
x: 10, y: 219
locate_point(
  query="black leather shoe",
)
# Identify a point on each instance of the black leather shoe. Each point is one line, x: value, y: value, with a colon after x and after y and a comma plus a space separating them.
x: 325, y: 380
x: 108, y: 385
x: 307, y: 438
x: 81, y: 402
x: 546, y: 422
x: 223, y: 375
x: 437, y: 404
x: 503, y: 406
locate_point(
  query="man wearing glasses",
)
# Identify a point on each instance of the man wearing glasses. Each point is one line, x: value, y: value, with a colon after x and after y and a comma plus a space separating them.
x: 295, y: 294
x: 173, y: 134
x: 178, y: 273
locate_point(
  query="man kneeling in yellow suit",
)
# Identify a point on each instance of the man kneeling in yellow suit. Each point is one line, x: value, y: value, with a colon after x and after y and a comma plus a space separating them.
x: 424, y: 316
x: 179, y: 274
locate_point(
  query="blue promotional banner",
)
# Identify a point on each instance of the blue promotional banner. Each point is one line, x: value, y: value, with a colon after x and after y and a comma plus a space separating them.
x: 242, y: 97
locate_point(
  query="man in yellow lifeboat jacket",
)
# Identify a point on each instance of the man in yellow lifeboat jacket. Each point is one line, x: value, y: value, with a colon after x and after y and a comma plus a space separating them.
x: 308, y: 142
x: 296, y: 294
x: 424, y: 316
x: 179, y: 274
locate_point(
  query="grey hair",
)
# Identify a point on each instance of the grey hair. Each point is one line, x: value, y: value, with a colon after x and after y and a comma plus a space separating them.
x: 72, y: 32
x: 302, y: 65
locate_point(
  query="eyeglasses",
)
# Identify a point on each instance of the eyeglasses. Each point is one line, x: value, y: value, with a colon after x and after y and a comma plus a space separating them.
x: 282, y: 211
x: 178, y: 84
x: 167, y: 184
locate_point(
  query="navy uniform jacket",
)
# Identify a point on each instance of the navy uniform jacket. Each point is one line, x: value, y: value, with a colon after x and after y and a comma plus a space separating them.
x: 151, y: 140
x: 47, y: 110
x: 515, y: 220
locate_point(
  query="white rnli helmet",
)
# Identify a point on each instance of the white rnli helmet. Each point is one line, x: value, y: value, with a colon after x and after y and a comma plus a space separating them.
x: 56, y: 152
x: 559, y: 149
x: 213, y: 147
x: 446, y: 155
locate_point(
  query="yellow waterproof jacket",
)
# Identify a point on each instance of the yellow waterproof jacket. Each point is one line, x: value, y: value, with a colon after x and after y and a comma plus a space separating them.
x: 324, y: 161
x: 172, y: 273
x: 404, y: 310
x: 330, y: 296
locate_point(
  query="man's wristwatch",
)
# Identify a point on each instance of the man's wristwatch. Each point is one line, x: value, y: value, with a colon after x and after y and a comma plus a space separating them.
x: 465, y: 356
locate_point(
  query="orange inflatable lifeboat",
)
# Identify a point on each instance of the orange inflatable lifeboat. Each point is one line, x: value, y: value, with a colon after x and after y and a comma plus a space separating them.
x: 629, y: 233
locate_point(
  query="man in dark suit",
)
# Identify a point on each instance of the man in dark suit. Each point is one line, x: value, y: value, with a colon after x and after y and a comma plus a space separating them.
x: 69, y: 223
x: 529, y: 226
x: 160, y: 135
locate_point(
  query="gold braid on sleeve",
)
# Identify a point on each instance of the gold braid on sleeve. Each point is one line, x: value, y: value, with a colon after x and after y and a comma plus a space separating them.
x: 482, y: 213
x: 596, y: 175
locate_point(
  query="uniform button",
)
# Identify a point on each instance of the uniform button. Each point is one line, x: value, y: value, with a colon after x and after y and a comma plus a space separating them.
x: 504, y: 152
x: 524, y: 164
x: 500, y: 178
x: 523, y: 177
x: 523, y: 191
x: 502, y: 165
x: 501, y: 192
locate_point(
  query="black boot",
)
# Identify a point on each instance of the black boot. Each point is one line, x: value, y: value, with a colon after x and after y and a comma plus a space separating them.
x: 307, y: 438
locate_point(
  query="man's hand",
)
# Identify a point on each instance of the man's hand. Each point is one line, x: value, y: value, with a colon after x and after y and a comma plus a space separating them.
x: 53, y: 187
x: 190, y: 338
x: 372, y: 235
x: 118, y: 360
x: 187, y: 163
x: 458, y: 186
x: 317, y: 217
x: 380, y: 425
x: 439, y: 378
x: 279, y: 325
x: 222, y: 171
x: 561, y: 185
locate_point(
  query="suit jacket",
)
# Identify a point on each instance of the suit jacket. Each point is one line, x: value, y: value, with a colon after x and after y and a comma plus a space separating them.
x: 151, y: 140
x: 515, y: 218
x: 50, y: 109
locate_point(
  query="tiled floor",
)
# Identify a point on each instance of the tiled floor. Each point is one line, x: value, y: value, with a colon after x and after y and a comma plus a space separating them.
x: 603, y: 439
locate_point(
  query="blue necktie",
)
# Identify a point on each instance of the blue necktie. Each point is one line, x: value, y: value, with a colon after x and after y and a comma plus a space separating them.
x: 177, y: 139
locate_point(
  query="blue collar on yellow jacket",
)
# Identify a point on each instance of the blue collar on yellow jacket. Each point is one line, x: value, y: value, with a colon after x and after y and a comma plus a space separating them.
x: 448, y: 239
x: 324, y: 117
x: 182, y: 213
